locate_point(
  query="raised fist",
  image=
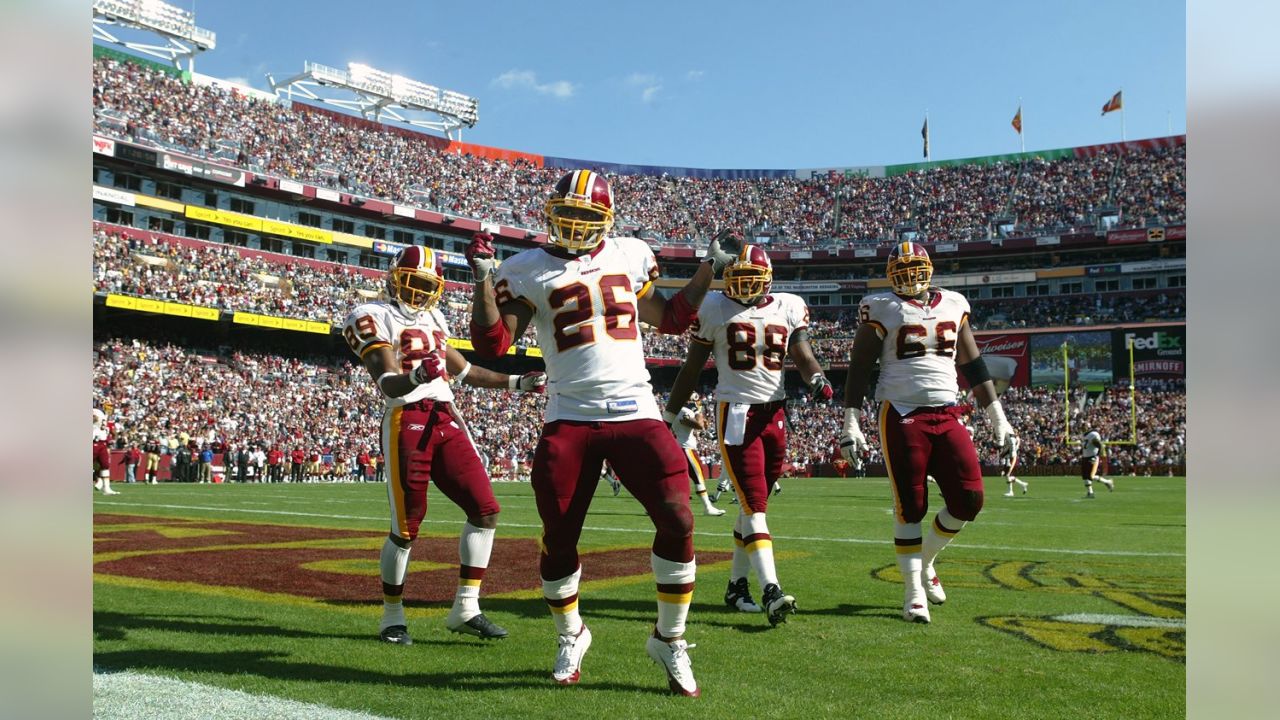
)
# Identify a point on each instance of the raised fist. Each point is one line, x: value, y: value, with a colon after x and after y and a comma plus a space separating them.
x: 480, y: 256
x: 431, y: 367
x: 724, y: 247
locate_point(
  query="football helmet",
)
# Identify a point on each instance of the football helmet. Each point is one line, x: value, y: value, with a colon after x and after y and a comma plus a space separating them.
x: 416, y: 279
x: 909, y: 268
x: 580, y: 211
x: 749, y: 277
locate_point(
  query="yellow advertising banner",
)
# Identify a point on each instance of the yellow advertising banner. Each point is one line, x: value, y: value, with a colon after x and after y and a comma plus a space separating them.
x: 159, y: 307
x: 346, y: 239
x: 275, y: 227
x: 159, y: 203
x: 279, y: 323
x: 465, y: 344
x: 224, y: 217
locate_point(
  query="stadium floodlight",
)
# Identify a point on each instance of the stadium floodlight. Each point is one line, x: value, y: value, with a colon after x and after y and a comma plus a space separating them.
x: 377, y: 94
x: 176, y: 26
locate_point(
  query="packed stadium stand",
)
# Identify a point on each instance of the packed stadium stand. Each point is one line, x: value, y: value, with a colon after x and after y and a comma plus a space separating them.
x: 233, y: 232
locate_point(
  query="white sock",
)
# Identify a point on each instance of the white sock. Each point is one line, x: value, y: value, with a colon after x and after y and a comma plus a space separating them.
x: 908, y: 544
x: 941, y: 532
x: 759, y: 546
x: 562, y: 597
x: 474, y: 548
x: 675, y: 591
x: 394, y: 564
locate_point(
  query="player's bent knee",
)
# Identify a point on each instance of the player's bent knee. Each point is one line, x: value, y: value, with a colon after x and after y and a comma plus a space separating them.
x: 488, y: 521
x: 968, y: 507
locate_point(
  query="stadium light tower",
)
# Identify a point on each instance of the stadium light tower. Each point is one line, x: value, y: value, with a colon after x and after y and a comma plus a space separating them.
x: 176, y: 26
x: 376, y: 94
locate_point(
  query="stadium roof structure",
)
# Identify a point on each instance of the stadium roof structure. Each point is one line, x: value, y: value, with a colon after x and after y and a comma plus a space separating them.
x: 379, y: 95
x: 175, y: 26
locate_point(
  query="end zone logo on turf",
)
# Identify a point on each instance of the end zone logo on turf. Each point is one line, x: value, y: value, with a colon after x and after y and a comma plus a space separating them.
x: 1145, y: 613
x: 315, y: 564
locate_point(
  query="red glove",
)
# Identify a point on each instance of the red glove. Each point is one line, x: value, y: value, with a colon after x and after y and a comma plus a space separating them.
x: 820, y: 387
x: 480, y: 255
x: 429, y: 369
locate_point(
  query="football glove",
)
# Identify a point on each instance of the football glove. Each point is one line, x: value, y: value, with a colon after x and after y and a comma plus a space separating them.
x: 724, y: 247
x: 1000, y: 426
x: 533, y: 382
x: 820, y: 387
x: 480, y: 256
x: 431, y: 367
x: 852, y: 441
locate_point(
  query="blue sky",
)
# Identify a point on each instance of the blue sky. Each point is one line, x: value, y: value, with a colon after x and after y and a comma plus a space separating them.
x: 745, y: 84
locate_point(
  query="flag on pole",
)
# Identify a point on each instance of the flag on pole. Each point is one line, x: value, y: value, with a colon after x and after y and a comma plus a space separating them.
x: 924, y: 133
x: 1017, y: 121
x: 1115, y: 103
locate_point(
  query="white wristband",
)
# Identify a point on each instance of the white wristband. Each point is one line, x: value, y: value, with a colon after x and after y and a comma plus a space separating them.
x: 457, y: 379
x: 851, y: 421
x: 384, y: 376
x: 995, y: 413
x: 513, y: 382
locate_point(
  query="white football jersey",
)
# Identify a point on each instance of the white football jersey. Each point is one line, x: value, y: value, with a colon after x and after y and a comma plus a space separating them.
x: 586, y: 315
x: 685, y: 435
x: 411, y: 338
x: 1091, y: 444
x: 749, y: 343
x: 918, y: 359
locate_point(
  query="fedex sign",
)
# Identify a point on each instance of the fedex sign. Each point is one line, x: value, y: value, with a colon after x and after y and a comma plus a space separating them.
x: 1157, y: 352
x: 1161, y: 342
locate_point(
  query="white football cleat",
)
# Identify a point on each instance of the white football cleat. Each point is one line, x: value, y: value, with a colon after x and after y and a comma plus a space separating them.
x: 915, y: 612
x: 674, y: 658
x: 1111, y: 484
x: 568, y: 667
x: 97, y: 484
x: 1010, y: 493
x: 933, y: 587
x: 109, y: 491
x: 915, y: 609
x: 713, y: 511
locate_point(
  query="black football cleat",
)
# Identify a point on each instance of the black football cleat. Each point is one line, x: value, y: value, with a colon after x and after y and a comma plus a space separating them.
x: 481, y: 627
x: 777, y: 604
x: 396, y: 635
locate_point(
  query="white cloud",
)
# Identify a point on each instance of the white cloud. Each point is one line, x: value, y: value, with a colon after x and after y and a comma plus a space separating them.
x: 694, y: 75
x: 240, y: 81
x: 649, y: 85
x: 528, y: 80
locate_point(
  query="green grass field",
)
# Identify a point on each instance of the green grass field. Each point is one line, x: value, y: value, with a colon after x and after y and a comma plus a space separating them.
x: 1058, y: 606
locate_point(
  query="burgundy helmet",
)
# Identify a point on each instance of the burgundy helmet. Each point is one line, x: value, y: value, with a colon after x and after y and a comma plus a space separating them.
x: 580, y: 211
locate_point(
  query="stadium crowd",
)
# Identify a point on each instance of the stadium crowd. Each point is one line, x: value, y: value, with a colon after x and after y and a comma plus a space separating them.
x: 135, y: 102
x: 221, y: 399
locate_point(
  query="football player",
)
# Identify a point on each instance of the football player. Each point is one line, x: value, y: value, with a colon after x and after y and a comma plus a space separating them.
x: 1091, y: 448
x: 586, y: 294
x: 102, y: 453
x: 751, y: 331
x: 402, y: 342
x: 1008, y: 460
x: 689, y: 419
x: 921, y: 336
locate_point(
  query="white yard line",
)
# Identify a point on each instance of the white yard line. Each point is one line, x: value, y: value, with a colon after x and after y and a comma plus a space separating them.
x: 646, y: 531
x: 128, y: 694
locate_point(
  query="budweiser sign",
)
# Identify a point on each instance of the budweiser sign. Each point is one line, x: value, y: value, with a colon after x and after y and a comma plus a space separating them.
x: 1003, y: 345
x: 1008, y: 356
